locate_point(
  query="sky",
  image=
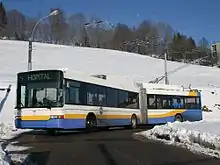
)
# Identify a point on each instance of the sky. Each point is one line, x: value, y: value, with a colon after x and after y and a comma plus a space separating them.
x: 197, y: 18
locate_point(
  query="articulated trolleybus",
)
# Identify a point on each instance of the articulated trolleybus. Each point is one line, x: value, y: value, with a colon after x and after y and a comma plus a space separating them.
x: 59, y: 99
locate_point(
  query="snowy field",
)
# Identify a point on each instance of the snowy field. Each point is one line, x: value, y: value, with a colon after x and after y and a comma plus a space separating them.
x: 94, y: 61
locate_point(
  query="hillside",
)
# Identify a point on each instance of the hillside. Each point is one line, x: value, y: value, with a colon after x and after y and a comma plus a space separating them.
x: 93, y: 61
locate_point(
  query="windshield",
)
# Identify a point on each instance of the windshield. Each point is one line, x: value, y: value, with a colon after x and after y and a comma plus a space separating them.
x: 36, y: 95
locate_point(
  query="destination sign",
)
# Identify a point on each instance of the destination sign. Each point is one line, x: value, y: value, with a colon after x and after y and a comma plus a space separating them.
x: 39, y: 76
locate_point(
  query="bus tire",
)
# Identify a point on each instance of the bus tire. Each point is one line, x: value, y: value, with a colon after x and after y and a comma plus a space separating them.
x: 178, y: 117
x: 52, y: 132
x: 91, y: 123
x: 133, y: 121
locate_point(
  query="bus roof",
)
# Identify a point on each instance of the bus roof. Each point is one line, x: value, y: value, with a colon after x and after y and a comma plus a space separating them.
x: 108, y: 80
x: 169, y: 89
x: 122, y: 82
x: 128, y: 84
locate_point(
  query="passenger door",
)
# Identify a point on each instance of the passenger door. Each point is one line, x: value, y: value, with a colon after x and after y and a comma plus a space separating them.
x: 101, y: 99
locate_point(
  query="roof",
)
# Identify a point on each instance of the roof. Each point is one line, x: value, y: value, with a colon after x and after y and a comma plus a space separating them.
x: 162, y: 86
x: 169, y: 89
x: 123, y: 83
x: 113, y: 81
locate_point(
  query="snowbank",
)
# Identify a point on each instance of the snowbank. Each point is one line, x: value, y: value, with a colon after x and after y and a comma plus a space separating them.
x: 202, y: 137
x: 3, y: 158
x: 7, y: 132
x: 7, y: 128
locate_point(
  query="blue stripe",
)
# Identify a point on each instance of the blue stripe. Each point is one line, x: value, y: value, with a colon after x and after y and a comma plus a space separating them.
x: 113, y: 122
x: 52, y: 123
x: 66, y: 123
x: 160, y: 120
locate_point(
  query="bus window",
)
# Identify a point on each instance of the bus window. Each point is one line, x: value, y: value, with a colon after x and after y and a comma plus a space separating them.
x: 132, y: 100
x: 74, y: 95
x: 112, y: 97
x: 101, y: 96
x: 191, y: 103
x: 177, y: 102
x: 72, y: 92
x: 163, y: 102
x: 22, y: 96
x: 151, y: 101
x: 122, y: 99
x: 198, y: 103
x: 92, y: 94
x: 39, y: 89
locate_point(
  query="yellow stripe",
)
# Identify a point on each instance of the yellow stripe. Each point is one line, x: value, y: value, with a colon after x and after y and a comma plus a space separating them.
x: 75, y: 116
x: 66, y: 116
x: 83, y: 116
x: 168, y: 114
x: 35, y: 117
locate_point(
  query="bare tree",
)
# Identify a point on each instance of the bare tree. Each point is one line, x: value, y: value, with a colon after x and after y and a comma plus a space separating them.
x: 58, y: 27
x: 16, y: 25
x: 3, y: 19
x: 122, y: 34
x: 76, y: 28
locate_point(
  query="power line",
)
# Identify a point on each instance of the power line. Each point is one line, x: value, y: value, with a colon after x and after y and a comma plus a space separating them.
x: 158, y: 79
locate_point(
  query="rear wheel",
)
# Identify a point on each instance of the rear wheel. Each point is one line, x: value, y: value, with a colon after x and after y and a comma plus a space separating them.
x: 52, y: 132
x: 91, y: 123
x: 179, y: 118
x: 133, y: 121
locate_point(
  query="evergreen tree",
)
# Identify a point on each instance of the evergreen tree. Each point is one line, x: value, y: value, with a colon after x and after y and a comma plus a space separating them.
x: 3, y: 19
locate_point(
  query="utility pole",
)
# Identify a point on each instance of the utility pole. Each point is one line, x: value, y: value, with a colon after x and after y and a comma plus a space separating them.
x: 30, y: 54
x: 165, y: 62
x: 165, y: 68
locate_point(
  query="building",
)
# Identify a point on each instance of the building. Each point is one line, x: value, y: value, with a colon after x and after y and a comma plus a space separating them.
x: 215, y: 48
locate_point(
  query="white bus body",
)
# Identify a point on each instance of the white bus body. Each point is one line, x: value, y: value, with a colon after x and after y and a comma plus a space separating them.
x: 79, y: 100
